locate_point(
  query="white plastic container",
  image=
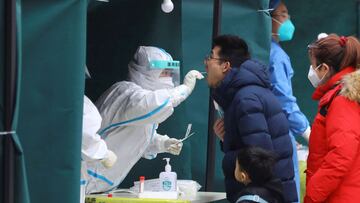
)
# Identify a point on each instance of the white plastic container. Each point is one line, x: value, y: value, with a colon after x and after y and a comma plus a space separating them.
x: 168, y: 179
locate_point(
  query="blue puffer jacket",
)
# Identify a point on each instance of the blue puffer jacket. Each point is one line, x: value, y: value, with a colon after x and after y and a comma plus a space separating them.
x: 253, y: 117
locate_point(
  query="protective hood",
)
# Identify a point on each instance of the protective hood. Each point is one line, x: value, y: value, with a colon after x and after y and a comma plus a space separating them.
x: 141, y: 74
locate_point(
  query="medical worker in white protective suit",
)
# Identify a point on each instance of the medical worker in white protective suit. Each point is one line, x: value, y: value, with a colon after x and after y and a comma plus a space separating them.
x: 131, y: 112
x: 93, y: 148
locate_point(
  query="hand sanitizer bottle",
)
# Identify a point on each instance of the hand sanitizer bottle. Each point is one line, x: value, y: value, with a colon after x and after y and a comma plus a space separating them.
x: 167, y: 178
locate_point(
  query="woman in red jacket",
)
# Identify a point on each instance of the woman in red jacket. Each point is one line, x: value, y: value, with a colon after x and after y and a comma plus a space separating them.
x: 333, y: 165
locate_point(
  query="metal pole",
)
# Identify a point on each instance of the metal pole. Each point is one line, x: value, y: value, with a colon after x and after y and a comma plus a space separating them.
x: 211, y: 153
x: 10, y: 90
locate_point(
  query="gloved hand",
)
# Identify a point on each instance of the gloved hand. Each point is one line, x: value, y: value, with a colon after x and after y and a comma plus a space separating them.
x: 173, y: 146
x: 190, y: 79
x: 181, y: 92
x: 109, y: 160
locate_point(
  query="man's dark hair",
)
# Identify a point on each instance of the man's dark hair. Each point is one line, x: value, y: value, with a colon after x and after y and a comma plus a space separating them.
x: 257, y: 163
x: 233, y: 49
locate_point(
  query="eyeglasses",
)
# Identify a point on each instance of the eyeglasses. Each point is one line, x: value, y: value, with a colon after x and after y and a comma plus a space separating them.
x: 209, y: 57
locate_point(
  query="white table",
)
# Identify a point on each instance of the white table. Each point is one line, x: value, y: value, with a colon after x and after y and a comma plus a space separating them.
x: 201, y: 197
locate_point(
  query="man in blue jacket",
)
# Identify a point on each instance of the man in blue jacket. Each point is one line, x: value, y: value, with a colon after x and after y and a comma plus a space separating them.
x: 253, y: 116
x: 281, y: 74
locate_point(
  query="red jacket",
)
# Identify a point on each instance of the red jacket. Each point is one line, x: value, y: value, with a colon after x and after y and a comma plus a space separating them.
x: 333, y: 165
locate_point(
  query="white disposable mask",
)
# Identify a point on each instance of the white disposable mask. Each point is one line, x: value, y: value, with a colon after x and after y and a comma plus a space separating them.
x: 166, y: 82
x: 313, y: 77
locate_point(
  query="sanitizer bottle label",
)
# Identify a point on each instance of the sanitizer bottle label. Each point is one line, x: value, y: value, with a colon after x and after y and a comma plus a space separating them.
x: 166, y: 185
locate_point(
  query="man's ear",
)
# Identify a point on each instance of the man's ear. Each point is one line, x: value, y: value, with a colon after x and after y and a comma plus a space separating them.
x: 227, y: 66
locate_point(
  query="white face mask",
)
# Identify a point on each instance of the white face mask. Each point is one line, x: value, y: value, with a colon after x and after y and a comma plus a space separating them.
x: 313, y: 77
x: 166, y: 82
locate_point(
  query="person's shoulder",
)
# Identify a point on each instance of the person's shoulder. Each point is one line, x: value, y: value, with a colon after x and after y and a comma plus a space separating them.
x: 277, y: 53
x: 250, y: 63
x: 275, y: 46
x: 248, y: 97
x: 254, y: 67
x: 125, y: 85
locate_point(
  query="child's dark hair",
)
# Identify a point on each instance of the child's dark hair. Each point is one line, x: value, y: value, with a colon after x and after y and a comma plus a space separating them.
x: 233, y: 49
x: 257, y: 163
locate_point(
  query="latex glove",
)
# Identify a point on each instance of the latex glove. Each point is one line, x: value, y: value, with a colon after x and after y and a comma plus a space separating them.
x: 181, y: 92
x: 173, y: 146
x: 110, y: 159
x: 306, y: 134
x: 219, y: 128
x: 190, y: 79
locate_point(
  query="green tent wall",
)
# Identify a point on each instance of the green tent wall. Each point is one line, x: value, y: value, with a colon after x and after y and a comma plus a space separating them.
x: 50, y: 105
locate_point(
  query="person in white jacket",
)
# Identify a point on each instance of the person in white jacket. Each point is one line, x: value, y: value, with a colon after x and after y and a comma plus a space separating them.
x: 93, y: 148
x: 131, y: 111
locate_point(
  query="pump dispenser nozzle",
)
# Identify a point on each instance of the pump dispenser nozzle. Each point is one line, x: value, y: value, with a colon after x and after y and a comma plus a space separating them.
x: 168, y: 166
x: 168, y: 179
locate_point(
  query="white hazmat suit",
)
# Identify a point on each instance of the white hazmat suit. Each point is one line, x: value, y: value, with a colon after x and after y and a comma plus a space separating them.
x: 93, y: 148
x: 131, y: 112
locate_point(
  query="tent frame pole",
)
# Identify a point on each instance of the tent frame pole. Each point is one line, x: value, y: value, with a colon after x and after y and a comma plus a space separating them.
x: 211, y: 147
x: 10, y: 93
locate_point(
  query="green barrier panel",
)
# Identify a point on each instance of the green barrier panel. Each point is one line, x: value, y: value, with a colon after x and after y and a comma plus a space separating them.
x: 51, y: 100
x: 197, y: 22
x: 237, y: 18
x: 248, y: 20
